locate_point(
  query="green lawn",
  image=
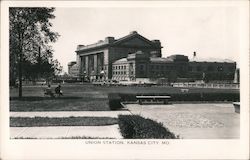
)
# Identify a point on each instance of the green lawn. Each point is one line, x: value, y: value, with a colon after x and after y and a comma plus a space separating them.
x: 63, y: 121
x: 85, y: 97
x: 59, y: 104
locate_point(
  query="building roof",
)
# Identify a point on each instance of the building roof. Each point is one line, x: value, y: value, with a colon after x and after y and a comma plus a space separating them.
x: 122, y: 60
x: 74, y: 66
x: 178, y: 58
x: 112, y: 41
x: 211, y: 60
x: 71, y: 63
x: 160, y: 60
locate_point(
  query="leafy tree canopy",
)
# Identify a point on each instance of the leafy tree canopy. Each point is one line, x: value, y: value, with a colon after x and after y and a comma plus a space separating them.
x: 30, y: 39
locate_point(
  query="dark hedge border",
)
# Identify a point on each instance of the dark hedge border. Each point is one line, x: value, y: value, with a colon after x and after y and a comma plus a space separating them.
x: 230, y: 97
x: 114, y: 101
x: 137, y: 127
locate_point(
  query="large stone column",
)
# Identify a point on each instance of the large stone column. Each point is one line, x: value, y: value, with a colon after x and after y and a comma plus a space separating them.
x: 95, y: 63
x: 78, y: 62
x: 87, y: 64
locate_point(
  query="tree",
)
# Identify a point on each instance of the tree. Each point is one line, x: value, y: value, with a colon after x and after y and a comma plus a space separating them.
x: 29, y: 34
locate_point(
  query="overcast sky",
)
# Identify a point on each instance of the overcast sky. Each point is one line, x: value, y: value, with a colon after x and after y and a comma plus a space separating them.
x: 213, y: 32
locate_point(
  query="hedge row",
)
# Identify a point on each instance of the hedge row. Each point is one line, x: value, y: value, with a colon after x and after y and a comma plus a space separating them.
x: 137, y: 127
x: 114, y: 101
x: 234, y: 97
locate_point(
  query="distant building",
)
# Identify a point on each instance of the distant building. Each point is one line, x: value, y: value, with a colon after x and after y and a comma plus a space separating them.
x: 135, y: 58
x: 73, y: 69
x: 141, y: 67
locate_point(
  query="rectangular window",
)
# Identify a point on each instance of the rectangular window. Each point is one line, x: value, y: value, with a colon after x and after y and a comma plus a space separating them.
x: 190, y: 68
x: 220, y: 68
x: 199, y: 68
x: 141, y: 67
x: 131, y: 65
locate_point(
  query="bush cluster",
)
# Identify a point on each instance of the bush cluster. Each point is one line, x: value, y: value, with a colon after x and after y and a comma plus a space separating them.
x: 71, y: 81
x: 232, y: 97
x: 137, y: 127
x: 114, y: 101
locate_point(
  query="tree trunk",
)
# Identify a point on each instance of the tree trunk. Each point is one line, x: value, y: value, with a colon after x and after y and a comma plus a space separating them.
x: 20, y: 74
x: 20, y: 64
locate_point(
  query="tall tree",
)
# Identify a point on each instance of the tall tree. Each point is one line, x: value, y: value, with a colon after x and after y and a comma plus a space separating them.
x: 30, y: 32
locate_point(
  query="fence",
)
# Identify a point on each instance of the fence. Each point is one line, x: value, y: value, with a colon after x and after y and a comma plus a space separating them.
x: 207, y: 85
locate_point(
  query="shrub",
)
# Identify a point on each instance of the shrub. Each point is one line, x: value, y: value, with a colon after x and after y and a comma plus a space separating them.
x: 114, y: 101
x: 137, y: 127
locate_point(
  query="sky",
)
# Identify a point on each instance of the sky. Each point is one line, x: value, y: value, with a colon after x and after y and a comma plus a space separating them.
x: 212, y: 32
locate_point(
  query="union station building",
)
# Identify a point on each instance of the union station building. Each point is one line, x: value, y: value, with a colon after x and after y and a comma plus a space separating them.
x: 136, y: 58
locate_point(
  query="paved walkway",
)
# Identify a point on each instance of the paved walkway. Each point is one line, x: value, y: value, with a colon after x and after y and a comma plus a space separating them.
x: 113, y: 114
x: 111, y: 131
x: 194, y: 121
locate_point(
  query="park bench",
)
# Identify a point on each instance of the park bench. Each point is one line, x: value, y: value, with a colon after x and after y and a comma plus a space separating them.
x: 153, y: 99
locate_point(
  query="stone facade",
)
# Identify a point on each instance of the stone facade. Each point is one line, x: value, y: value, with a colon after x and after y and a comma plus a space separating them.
x: 96, y: 60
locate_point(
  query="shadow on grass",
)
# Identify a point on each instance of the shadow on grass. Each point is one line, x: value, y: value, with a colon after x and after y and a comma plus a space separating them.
x: 37, y: 98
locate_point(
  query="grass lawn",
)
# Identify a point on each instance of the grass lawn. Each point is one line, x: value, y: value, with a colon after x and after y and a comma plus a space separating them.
x: 86, y: 97
x: 59, y: 104
x: 64, y: 121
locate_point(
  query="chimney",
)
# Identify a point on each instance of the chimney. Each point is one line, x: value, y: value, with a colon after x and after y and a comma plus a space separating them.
x: 79, y: 46
x: 109, y: 39
x: 194, y: 55
x: 156, y: 42
x: 133, y: 32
